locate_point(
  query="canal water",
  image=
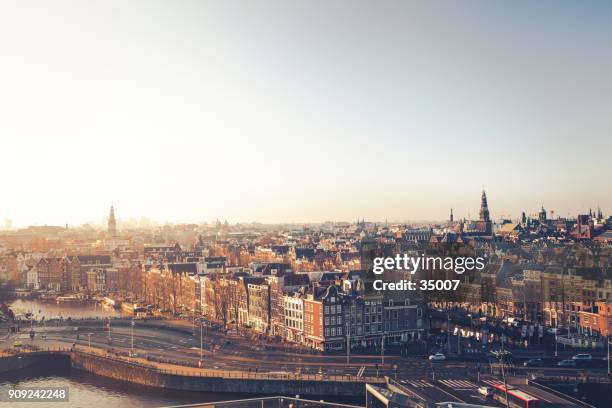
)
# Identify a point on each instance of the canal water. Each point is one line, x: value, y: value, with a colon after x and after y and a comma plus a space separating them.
x: 53, y: 310
x: 87, y: 390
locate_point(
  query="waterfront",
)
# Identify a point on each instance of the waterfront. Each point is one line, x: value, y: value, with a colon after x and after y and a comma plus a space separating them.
x: 53, y: 310
x: 87, y: 390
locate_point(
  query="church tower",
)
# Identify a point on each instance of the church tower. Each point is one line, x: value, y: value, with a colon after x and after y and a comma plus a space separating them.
x: 112, y: 224
x: 484, y: 208
x: 451, y: 216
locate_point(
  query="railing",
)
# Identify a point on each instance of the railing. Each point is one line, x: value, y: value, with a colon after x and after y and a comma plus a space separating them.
x: 269, y: 402
x: 190, y: 371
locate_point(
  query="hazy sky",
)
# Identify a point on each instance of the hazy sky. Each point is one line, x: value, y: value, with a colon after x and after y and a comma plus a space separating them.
x: 303, y: 111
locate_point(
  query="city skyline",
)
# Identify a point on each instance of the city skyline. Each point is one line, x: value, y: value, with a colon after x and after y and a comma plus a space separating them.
x: 144, y: 221
x: 385, y: 110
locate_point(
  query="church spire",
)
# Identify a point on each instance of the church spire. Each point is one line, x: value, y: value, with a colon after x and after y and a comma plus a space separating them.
x: 484, y: 208
x: 451, y: 216
x: 112, y: 224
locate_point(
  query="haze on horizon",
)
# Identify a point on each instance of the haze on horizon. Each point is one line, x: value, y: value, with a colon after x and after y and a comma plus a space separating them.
x: 282, y: 111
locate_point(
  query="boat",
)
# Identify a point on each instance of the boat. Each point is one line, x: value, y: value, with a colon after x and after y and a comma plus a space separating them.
x: 108, y: 303
x: 132, y: 308
x: 68, y: 299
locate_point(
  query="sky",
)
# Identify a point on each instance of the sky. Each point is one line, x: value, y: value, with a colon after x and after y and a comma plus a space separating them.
x: 287, y: 111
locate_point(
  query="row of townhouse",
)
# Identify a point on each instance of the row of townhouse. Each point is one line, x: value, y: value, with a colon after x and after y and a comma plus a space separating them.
x: 317, y: 309
x: 309, y: 309
x: 94, y: 273
x: 554, y: 296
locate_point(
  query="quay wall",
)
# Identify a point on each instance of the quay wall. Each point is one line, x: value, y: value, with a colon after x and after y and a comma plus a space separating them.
x: 139, y: 374
x: 186, y: 380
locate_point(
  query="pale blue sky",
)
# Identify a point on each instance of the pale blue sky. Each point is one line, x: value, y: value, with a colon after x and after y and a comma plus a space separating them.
x: 282, y: 111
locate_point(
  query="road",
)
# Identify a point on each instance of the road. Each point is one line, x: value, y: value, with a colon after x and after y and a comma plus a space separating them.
x: 434, y: 381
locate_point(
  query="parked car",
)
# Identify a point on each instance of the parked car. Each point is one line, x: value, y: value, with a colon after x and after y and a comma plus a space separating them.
x: 437, y: 357
x: 533, y: 362
x: 582, y: 357
x: 567, y: 363
x: 17, y: 343
x: 485, y: 391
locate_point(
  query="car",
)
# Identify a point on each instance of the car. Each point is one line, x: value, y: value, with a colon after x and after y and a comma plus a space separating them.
x: 533, y: 362
x: 17, y: 343
x: 485, y: 391
x: 582, y: 357
x: 437, y: 357
x: 567, y: 363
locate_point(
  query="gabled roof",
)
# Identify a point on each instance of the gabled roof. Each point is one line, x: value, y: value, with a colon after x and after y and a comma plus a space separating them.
x: 185, y: 267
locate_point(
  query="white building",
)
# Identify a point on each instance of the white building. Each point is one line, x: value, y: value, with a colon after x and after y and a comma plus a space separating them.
x: 294, y: 317
x: 32, y: 279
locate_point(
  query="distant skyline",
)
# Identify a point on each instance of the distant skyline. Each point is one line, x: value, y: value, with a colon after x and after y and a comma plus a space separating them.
x: 140, y: 221
x: 280, y: 111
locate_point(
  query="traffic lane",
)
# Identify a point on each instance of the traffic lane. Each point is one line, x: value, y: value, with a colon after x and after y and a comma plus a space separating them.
x: 232, y: 344
x: 172, y: 341
x: 175, y: 346
x: 192, y: 357
x: 429, y: 391
x: 466, y: 390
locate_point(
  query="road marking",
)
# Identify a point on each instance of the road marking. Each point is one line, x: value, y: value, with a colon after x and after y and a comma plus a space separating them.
x: 459, y: 384
x: 419, y: 383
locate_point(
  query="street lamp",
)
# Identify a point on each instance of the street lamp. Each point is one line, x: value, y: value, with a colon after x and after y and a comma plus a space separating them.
x: 607, y: 334
x: 348, y: 334
x: 556, y: 335
x: 501, y: 355
x: 132, y: 333
x: 89, y: 340
x: 448, y: 331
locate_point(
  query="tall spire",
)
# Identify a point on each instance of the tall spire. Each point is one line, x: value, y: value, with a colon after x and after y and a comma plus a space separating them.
x: 484, y: 208
x: 451, y: 216
x: 112, y: 224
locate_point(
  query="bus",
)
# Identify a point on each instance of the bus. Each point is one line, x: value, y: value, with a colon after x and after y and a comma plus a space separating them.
x: 516, y: 397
